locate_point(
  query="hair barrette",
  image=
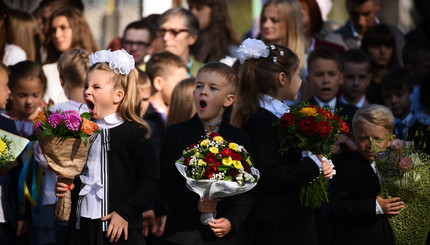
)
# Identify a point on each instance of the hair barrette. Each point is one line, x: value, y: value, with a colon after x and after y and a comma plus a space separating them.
x: 281, y: 53
x: 119, y: 61
x: 275, y: 58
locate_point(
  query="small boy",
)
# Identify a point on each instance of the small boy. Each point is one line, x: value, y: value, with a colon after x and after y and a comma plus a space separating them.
x: 357, y: 76
x: 397, y: 86
x: 214, y: 94
x: 165, y: 70
x: 73, y: 67
x: 325, y: 78
x: 358, y: 207
x: 144, y: 86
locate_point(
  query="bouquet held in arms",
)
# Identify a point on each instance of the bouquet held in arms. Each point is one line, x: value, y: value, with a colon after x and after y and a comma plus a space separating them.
x: 404, y: 171
x: 63, y: 138
x: 310, y: 129
x: 10, y: 147
x: 217, y: 168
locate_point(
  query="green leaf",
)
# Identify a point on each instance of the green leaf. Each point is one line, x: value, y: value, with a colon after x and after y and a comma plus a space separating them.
x: 86, y: 115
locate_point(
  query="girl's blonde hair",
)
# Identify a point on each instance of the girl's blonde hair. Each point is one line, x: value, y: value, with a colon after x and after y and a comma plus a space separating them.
x: 182, y: 103
x: 376, y: 114
x: 129, y: 107
x: 290, y: 21
x: 258, y: 77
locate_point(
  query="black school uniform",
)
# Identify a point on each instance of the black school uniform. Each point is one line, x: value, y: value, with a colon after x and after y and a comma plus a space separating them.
x: 278, y: 215
x: 183, y: 224
x: 131, y: 174
x: 355, y: 189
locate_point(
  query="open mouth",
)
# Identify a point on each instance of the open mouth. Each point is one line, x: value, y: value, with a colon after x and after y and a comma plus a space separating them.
x: 90, y: 105
x: 203, y: 104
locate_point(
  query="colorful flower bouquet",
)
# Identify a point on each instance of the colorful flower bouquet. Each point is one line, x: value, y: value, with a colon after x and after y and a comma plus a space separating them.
x: 217, y: 168
x: 63, y: 138
x: 10, y: 147
x: 403, y: 171
x: 308, y: 128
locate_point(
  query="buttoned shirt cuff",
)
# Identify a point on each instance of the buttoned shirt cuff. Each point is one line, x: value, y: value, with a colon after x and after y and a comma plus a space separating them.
x: 378, y: 208
x: 317, y: 161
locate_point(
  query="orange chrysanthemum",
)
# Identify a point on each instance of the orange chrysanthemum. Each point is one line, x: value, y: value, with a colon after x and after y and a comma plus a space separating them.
x: 88, y: 127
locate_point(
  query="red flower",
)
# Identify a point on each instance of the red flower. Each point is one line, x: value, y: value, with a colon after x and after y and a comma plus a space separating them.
x: 236, y: 156
x: 345, y: 128
x: 338, y: 119
x: 210, y: 171
x: 209, y: 158
x: 313, y: 106
x: 307, y: 125
x: 323, y: 128
x: 328, y: 115
x: 287, y: 119
x: 192, y: 146
x: 246, y: 167
x: 320, y: 111
x: 214, y: 134
x: 233, y: 173
x: 187, y: 161
x: 226, y: 152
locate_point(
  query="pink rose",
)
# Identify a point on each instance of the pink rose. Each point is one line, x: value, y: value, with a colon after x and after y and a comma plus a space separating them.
x: 397, y: 145
x: 405, y: 164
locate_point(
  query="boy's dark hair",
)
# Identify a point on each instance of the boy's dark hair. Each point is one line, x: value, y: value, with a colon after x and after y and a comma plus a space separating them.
x: 378, y: 35
x: 225, y: 71
x: 413, y: 50
x: 160, y: 63
x: 73, y: 67
x: 25, y: 69
x: 323, y: 53
x: 142, y: 25
x: 355, y: 56
x: 397, y: 78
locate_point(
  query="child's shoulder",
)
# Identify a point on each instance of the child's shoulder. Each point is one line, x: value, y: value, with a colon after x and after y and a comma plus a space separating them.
x: 130, y: 129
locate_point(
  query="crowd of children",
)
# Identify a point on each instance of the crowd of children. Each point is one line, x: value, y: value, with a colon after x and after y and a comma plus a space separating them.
x: 130, y: 191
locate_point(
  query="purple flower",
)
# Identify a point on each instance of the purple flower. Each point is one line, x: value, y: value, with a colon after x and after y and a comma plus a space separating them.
x: 397, y: 144
x: 37, y: 125
x: 405, y: 164
x: 382, y: 156
x: 54, y: 119
x: 72, y: 119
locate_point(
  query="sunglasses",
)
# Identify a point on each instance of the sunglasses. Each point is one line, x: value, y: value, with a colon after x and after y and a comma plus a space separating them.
x: 173, y: 32
x: 131, y: 43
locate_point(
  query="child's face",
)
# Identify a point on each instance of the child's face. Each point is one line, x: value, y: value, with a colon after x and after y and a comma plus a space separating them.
x: 356, y: 80
x: 145, y: 94
x: 380, y: 55
x: 176, y: 75
x: 211, y: 96
x: 293, y: 86
x: 26, y: 97
x: 362, y: 134
x: 398, y: 101
x: 4, y: 89
x: 325, y: 79
x: 100, y: 96
x: 62, y: 33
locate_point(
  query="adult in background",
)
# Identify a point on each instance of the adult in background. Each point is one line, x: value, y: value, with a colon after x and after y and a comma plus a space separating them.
x: 362, y: 15
x: 218, y: 41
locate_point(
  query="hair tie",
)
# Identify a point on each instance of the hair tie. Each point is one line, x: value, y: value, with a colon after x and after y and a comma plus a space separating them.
x: 252, y: 49
x: 119, y: 61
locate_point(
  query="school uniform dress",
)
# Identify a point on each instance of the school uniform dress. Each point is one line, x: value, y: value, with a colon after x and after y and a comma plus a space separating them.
x: 183, y: 224
x: 355, y: 207
x: 278, y: 216
x: 121, y: 174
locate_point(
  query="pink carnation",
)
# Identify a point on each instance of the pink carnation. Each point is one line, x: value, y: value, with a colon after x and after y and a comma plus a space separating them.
x: 37, y: 125
x: 405, y: 164
x: 397, y: 145
x: 72, y: 119
x: 54, y: 119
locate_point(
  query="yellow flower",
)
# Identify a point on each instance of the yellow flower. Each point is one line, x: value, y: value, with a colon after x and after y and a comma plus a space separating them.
x: 248, y: 161
x: 227, y: 161
x: 232, y: 146
x: 237, y: 164
x: 213, y: 150
x: 201, y: 163
x: 204, y: 143
x: 197, y: 154
x: 3, y: 147
x: 309, y: 111
x: 218, y: 139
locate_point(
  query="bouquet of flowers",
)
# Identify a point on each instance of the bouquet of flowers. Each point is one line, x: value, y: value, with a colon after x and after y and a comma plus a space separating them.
x: 403, y: 171
x: 308, y: 128
x: 10, y: 147
x: 217, y: 168
x: 63, y: 138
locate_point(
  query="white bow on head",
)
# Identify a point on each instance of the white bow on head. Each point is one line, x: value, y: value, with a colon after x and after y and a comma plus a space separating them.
x: 119, y: 61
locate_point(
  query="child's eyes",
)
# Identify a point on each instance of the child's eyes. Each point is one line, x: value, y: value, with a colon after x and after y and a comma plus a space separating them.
x: 199, y: 86
x: 213, y: 88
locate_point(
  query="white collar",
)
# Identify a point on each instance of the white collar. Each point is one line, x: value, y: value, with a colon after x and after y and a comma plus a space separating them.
x: 359, y: 103
x: 273, y: 105
x: 110, y: 121
x: 331, y: 103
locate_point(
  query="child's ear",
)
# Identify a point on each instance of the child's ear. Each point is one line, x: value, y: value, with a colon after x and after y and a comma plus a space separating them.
x: 158, y: 83
x: 229, y: 100
x: 282, y: 79
x: 61, y: 82
x: 119, y: 95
